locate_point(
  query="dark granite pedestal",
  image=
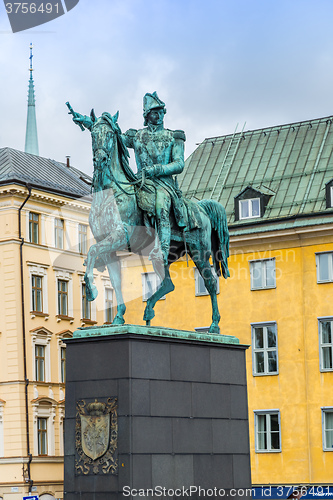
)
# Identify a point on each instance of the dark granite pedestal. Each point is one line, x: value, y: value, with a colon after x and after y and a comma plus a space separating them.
x: 181, y: 423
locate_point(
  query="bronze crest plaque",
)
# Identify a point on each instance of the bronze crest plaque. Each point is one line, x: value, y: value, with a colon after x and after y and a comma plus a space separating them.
x: 96, y: 433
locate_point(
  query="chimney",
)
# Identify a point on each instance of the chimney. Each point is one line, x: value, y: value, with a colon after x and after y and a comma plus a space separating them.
x: 67, y: 161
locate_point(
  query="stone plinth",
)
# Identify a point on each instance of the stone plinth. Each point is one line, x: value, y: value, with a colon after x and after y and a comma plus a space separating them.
x: 182, y: 411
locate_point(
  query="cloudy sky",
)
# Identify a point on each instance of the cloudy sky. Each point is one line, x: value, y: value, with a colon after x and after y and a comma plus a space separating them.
x: 215, y: 63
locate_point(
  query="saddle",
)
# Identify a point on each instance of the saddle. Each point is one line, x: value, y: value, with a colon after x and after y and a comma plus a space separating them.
x: 186, y: 212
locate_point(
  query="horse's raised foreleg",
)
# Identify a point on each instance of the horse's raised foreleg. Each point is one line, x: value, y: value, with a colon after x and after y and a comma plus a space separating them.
x: 115, y: 276
x: 103, y: 250
x: 210, y: 283
x: 166, y: 287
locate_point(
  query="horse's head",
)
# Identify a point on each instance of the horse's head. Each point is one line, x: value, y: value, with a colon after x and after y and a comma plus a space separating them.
x: 103, y: 135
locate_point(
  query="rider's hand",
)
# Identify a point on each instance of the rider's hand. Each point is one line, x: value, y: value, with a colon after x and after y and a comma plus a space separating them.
x: 149, y: 172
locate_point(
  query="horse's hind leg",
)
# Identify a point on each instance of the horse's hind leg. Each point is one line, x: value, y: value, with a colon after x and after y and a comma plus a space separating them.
x: 114, y: 270
x: 166, y: 287
x: 210, y: 283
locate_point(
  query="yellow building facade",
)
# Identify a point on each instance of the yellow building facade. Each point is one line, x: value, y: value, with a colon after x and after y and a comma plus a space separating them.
x: 43, y: 243
x: 300, y: 392
x: 276, y: 186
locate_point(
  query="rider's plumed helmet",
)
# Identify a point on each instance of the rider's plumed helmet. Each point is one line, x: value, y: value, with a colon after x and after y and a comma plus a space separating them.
x: 151, y: 101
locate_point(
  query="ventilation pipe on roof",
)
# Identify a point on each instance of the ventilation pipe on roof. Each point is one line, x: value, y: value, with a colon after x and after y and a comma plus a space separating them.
x: 68, y: 161
x: 27, y: 478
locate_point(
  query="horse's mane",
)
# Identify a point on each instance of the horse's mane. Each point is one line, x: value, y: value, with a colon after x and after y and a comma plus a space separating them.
x: 123, y: 153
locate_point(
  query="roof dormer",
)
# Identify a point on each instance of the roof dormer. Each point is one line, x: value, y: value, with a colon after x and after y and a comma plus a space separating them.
x: 251, y: 203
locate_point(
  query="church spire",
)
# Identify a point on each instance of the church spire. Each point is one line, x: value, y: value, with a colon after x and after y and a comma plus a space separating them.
x: 31, y: 139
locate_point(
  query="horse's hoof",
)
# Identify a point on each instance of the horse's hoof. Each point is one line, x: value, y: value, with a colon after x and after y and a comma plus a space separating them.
x: 92, y: 293
x: 118, y: 320
x: 148, y: 314
x: 214, y: 328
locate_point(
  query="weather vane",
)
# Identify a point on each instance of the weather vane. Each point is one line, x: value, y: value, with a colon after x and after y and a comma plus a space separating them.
x: 31, y: 56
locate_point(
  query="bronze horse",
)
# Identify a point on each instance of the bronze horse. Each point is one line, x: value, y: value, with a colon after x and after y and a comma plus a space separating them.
x: 118, y: 223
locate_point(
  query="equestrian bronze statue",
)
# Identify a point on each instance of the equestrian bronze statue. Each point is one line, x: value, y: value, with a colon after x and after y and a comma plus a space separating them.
x: 145, y: 213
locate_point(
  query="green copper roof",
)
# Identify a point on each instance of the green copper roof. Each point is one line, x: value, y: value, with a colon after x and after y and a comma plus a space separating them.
x: 290, y: 163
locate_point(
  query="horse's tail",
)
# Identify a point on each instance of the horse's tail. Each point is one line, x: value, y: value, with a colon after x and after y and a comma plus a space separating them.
x: 220, y: 235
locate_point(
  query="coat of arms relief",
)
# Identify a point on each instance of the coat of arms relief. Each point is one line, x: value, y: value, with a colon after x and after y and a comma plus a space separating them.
x: 96, y: 434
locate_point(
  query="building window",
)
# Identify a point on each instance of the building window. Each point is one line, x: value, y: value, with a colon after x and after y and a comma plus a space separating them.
x: 2, y: 450
x: 327, y: 414
x: 40, y: 363
x: 324, y: 267
x: 108, y: 305
x: 64, y: 292
x: 63, y: 298
x: 150, y: 283
x: 86, y: 305
x: 264, y: 342
x: 44, y: 413
x: 62, y: 356
x: 267, y: 431
x: 59, y: 227
x: 63, y: 364
x: 262, y: 274
x: 326, y: 344
x: 249, y: 209
x: 200, y: 288
x: 83, y: 232
x: 33, y: 227
x: 42, y: 436
x: 37, y: 293
x: 41, y: 338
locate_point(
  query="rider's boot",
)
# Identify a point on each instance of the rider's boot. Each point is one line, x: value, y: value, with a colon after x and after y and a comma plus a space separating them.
x: 164, y: 234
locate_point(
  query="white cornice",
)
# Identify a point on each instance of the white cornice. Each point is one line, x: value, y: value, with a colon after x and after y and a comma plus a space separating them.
x: 74, y: 203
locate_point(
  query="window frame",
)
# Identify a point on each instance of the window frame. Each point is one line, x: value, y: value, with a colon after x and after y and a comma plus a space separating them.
x: 250, y: 208
x: 44, y: 407
x: 330, y: 267
x: 265, y: 349
x: 264, y: 273
x: 59, y: 233
x: 198, y: 278
x: 63, y: 365
x: 85, y: 304
x: 35, y: 292
x: 328, y: 345
x: 64, y: 275
x: 40, y: 363
x: 267, y: 413
x: 42, y: 337
x: 42, y: 433
x: 156, y: 282
x: 32, y: 225
x: 67, y: 334
x: 108, y: 310
x: 40, y: 271
x: 60, y: 294
x: 2, y: 435
x: 82, y: 239
x: 324, y: 411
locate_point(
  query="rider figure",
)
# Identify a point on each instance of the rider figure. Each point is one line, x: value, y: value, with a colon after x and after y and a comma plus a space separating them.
x: 159, y: 152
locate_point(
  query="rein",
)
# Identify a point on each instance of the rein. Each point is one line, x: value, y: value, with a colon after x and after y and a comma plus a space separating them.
x: 118, y: 183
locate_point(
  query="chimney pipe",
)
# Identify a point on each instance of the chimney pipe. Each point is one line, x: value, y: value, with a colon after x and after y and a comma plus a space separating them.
x: 67, y: 161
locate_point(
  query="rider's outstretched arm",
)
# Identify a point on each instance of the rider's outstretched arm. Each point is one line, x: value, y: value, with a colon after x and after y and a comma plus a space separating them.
x: 84, y: 119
